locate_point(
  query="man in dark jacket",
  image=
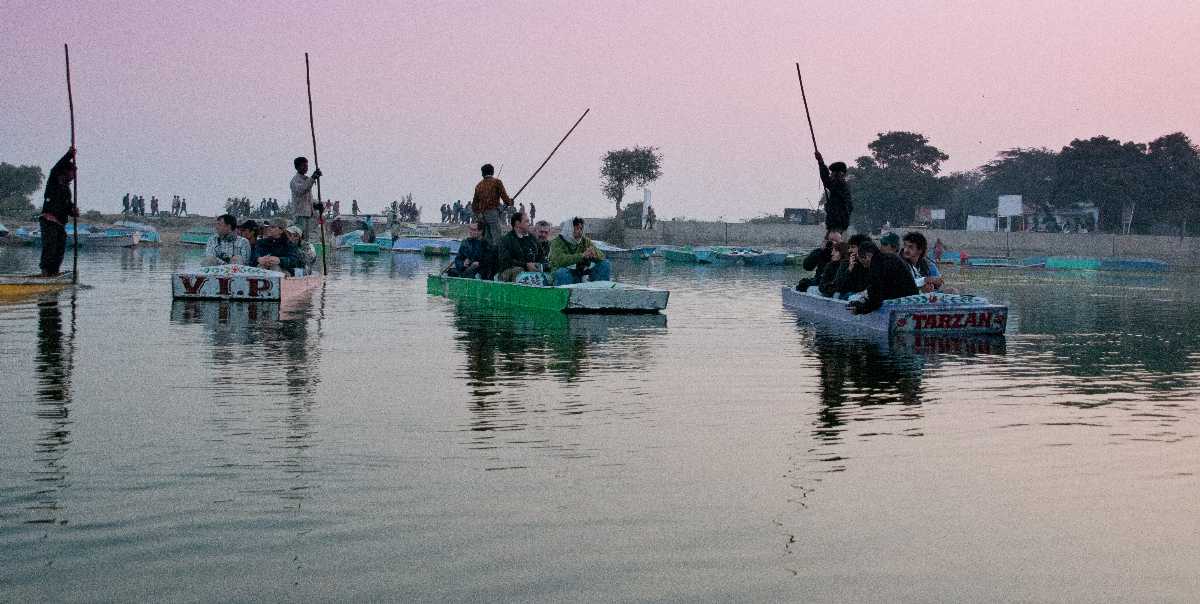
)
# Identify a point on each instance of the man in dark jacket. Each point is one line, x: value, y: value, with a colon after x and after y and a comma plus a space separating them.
x: 838, y: 205
x: 469, y: 260
x: 518, y: 250
x: 57, y: 208
x: 888, y: 277
x: 273, y: 251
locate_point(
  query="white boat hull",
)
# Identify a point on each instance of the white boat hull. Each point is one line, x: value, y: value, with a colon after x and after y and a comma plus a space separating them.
x: 236, y: 282
x: 930, y: 319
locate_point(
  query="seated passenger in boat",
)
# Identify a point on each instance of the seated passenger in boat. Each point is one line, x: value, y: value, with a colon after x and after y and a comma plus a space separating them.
x: 836, y: 271
x: 888, y: 277
x: 541, y: 230
x: 249, y: 230
x: 308, y: 254
x: 817, y: 259
x: 469, y: 260
x: 574, y: 258
x: 273, y: 250
x: 889, y: 243
x: 518, y: 250
x: 851, y: 276
x: 924, y: 271
x: 226, y: 246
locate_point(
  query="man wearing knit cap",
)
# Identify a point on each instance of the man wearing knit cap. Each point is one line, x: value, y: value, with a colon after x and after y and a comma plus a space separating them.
x: 838, y: 205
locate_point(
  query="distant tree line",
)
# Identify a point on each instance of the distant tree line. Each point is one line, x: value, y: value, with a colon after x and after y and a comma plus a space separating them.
x: 17, y: 185
x: 1157, y: 183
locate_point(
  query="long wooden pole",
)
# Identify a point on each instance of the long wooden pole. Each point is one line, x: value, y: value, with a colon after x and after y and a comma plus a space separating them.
x: 316, y: 166
x: 564, y: 138
x: 74, y: 181
x: 804, y: 97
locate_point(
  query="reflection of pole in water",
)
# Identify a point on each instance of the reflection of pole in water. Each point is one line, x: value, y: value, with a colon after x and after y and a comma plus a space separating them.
x: 53, y: 364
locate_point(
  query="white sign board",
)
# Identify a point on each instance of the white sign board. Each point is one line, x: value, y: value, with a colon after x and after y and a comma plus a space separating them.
x: 1010, y: 205
x: 226, y: 282
x: 938, y: 214
x: 981, y: 223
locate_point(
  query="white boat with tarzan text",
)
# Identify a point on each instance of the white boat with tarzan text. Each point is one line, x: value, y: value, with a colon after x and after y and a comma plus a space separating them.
x: 934, y: 314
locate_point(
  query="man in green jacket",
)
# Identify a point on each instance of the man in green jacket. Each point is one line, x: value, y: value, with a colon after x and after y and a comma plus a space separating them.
x: 573, y: 256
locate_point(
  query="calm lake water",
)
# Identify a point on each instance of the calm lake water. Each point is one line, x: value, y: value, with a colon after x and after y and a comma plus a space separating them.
x: 383, y: 444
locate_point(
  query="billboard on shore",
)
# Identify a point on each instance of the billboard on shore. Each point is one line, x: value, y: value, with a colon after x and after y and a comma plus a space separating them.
x: 1009, y: 205
x: 981, y: 223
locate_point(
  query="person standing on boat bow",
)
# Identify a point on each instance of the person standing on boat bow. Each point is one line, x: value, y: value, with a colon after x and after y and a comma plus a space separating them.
x: 57, y: 208
x: 838, y: 204
x: 304, y: 207
x: 489, y: 194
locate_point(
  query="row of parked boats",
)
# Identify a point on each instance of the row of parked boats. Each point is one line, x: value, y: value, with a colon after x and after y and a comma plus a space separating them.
x: 120, y: 234
x: 1062, y: 263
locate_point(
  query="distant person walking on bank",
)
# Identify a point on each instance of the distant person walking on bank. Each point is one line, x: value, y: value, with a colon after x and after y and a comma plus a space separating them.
x: 838, y: 205
x: 486, y: 204
x: 57, y: 208
x: 303, y: 204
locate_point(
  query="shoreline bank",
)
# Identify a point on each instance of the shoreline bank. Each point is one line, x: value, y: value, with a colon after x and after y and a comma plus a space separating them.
x: 1178, y: 252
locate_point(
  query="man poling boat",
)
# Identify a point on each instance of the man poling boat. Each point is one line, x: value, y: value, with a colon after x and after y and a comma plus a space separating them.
x: 57, y: 208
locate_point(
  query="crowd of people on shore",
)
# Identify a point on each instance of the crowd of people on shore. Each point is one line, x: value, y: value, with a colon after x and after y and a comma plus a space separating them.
x: 135, y: 205
x: 268, y: 207
x: 456, y: 213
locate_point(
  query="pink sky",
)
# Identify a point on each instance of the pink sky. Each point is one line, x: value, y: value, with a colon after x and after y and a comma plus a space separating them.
x: 207, y: 99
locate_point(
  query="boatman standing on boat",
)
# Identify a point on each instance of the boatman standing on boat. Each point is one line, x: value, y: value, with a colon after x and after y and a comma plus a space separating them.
x: 57, y: 208
x: 303, y: 204
x: 486, y: 204
x: 838, y: 205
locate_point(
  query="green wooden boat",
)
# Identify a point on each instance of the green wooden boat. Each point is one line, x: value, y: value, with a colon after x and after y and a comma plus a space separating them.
x: 366, y: 248
x: 594, y: 296
x: 196, y: 236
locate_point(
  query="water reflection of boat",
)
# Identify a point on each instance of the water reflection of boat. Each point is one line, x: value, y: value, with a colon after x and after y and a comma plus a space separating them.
x: 234, y: 317
x: 532, y: 342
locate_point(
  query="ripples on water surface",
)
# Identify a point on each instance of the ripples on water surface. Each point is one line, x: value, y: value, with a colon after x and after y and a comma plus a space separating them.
x: 382, y: 444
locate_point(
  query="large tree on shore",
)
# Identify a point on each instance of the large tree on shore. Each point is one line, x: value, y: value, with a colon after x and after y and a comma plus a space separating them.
x: 17, y: 184
x: 623, y: 168
x: 1105, y: 172
x: 899, y: 176
x: 1175, y: 164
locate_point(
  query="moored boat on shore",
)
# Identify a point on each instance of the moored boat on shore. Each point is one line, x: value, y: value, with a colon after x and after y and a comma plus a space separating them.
x: 687, y: 254
x: 416, y: 245
x: 612, y: 251
x: 935, y: 314
x: 196, y: 236
x: 592, y: 296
